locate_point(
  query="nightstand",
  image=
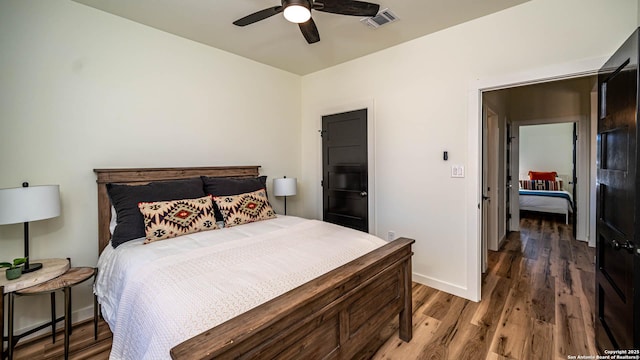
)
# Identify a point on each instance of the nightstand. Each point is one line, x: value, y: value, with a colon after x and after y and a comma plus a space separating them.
x: 64, y: 282
x: 51, y: 268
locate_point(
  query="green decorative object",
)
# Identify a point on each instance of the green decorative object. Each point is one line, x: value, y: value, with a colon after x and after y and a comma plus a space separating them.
x: 14, y: 270
x: 13, y: 273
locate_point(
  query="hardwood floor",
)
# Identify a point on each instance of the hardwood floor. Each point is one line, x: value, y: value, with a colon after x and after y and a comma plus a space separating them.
x: 537, y: 303
x: 81, y: 343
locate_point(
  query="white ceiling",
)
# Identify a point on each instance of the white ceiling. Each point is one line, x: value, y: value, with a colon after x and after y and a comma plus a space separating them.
x: 279, y: 43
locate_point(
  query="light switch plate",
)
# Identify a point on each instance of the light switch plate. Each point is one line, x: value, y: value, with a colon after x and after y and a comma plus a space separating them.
x: 457, y: 171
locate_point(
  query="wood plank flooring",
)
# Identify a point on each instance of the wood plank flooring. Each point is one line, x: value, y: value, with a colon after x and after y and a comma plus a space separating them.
x: 537, y: 303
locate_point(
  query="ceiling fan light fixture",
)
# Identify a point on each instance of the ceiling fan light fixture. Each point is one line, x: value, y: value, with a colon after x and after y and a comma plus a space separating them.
x: 297, y: 11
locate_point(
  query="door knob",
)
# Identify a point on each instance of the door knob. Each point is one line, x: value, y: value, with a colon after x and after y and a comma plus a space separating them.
x: 363, y: 193
x: 627, y: 245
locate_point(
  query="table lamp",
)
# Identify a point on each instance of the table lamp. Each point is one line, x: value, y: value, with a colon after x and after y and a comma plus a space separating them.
x: 25, y: 204
x: 284, y: 187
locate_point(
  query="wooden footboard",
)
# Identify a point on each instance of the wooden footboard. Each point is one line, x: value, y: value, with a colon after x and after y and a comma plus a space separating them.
x: 331, y: 317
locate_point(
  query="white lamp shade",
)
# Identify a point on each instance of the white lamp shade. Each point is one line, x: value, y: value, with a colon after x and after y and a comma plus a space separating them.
x: 284, y: 187
x: 24, y: 204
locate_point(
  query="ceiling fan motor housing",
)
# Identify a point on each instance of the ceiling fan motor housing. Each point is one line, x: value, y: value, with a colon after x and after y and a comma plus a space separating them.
x: 305, y: 3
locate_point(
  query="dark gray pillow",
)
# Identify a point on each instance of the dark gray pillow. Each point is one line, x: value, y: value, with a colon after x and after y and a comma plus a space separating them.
x: 225, y: 186
x: 125, y: 199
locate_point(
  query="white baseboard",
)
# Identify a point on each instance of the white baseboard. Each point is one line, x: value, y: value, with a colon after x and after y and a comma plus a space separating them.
x: 501, y: 241
x: 76, y: 316
x: 447, y: 287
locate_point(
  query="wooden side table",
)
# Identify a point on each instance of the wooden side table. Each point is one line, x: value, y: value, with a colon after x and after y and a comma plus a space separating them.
x: 65, y: 282
x: 51, y: 268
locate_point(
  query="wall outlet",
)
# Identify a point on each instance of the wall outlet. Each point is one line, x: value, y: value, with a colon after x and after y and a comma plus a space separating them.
x: 457, y: 171
x: 391, y: 235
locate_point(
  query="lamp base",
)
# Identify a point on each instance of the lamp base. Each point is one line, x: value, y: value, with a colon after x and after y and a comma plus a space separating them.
x: 31, y: 268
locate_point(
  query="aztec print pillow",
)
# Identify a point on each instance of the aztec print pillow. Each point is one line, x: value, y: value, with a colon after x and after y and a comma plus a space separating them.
x: 245, y: 208
x: 225, y: 186
x: 168, y: 219
x: 541, y: 185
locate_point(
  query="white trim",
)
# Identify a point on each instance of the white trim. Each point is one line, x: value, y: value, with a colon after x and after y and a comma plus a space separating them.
x: 502, y: 240
x: 448, y: 287
x: 557, y: 120
x: 474, y: 196
x: 76, y: 317
x: 514, y: 224
x: 578, y: 68
x: 593, y: 169
x: 371, y: 152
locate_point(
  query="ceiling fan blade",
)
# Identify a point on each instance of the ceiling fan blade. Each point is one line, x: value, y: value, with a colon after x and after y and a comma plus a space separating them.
x: 310, y: 31
x: 347, y: 7
x: 257, y: 16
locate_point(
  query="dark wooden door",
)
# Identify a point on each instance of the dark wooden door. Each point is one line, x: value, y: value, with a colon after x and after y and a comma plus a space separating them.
x: 508, y: 180
x: 574, y: 179
x: 345, y: 169
x: 617, y: 200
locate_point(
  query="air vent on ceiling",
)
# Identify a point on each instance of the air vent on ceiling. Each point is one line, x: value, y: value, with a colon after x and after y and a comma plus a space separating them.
x: 384, y: 17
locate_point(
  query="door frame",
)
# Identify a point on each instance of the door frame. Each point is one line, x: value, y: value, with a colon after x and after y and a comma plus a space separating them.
x: 582, y: 161
x: 574, y: 69
x: 371, y: 192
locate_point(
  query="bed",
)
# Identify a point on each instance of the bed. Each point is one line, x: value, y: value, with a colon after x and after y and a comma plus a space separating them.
x: 327, y: 313
x: 545, y: 193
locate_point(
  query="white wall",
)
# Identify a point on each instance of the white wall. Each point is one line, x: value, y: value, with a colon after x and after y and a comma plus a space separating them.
x: 547, y: 147
x: 421, y: 91
x: 82, y: 89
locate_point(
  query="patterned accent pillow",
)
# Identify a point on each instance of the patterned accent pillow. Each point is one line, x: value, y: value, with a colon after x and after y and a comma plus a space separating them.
x: 541, y: 185
x: 245, y: 208
x: 225, y: 186
x: 168, y: 219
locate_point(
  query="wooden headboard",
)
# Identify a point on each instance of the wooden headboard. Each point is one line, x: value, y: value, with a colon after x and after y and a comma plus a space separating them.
x: 143, y: 176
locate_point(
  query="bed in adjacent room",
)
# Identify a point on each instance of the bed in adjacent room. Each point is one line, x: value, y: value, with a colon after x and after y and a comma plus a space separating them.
x: 544, y: 192
x: 262, y: 286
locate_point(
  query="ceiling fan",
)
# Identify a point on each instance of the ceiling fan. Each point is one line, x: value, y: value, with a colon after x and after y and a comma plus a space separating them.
x: 299, y: 11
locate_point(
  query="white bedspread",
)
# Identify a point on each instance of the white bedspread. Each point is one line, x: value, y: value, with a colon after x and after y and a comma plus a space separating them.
x: 547, y: 203
x: 157, y: 295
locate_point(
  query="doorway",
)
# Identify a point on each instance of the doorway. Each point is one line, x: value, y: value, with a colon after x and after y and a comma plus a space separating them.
x: 553, y: 102
x: 540, y: 103
x: 477, y: 91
